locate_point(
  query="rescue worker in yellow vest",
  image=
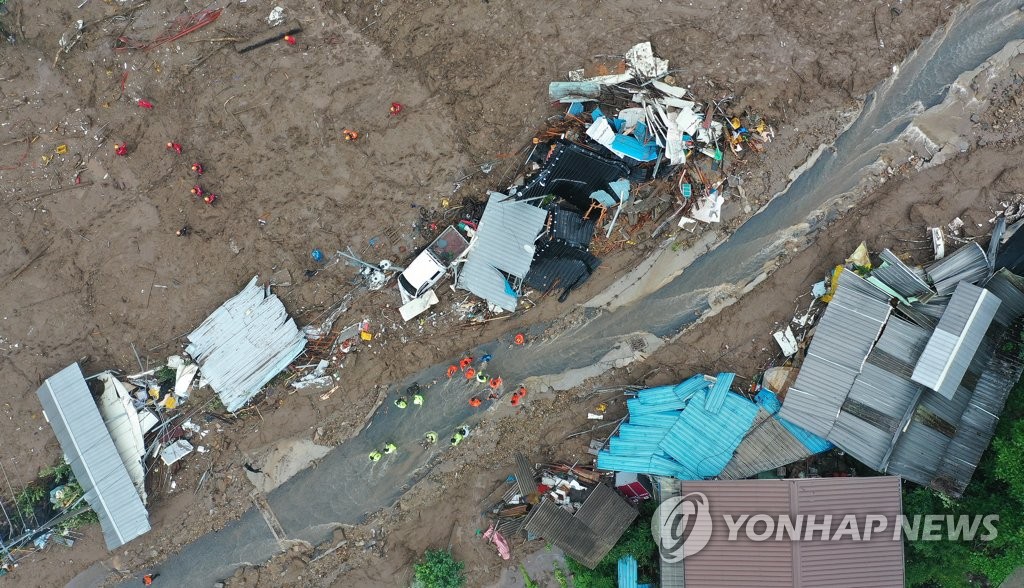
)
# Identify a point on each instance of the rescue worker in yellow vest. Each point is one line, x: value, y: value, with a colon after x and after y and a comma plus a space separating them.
x: 459, y: 435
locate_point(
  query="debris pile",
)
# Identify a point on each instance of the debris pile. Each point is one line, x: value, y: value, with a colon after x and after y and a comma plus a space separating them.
x: 630, y: 143
x: 569, y: 506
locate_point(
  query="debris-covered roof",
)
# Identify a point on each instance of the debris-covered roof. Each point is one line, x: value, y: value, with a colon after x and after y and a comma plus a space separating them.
x: 956, y: 338
x: 89, y: 450
x: 691, y: 431
x: 967, y: 264
x: 591, y: 533
x: 244, y: 344
x: 573, y: 172
x: 771, y: 442
x: 876, y: 560
x: 570, y: 227
x: 924, y: 402
x: 504, y: 242
x: 561, y: 266
x: 843, y: 338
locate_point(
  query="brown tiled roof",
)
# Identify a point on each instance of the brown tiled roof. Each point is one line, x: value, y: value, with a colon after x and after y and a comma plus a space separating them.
x: 846, y: 563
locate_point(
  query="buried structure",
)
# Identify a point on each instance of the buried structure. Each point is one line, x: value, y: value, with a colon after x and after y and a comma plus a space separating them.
x: 911, y: 380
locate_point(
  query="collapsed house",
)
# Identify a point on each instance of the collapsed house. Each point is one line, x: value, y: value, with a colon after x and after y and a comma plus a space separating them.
x: 909, y: 369
x: 570, y: 507
x: 244, y: 344
x: 583, y: 169
x: 699, y: 429
x: 90, y: 447
x: 864, y: 559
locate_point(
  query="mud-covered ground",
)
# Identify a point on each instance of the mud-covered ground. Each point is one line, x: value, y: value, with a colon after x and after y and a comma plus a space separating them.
x: 89, y: 268
x: 450, y: 505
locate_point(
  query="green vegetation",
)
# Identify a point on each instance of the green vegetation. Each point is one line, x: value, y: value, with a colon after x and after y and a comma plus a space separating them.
x: 636, y: 541
x: 997, y: 488
x: 439, y: 569
x: 35, y: 498
x: 560, y: 577
x: 527, y: 580
x: 29, y: 498
x: 165, y: 375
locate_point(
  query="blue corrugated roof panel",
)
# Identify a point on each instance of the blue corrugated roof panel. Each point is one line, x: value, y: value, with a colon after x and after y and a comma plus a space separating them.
x: 716, y: 397
x: 656, y: 465
x: 689, y: 386
x: 657, y: 395
x: 703, y: 442
x: 628, y: 571
x: 657, y: 419
x: 770, y: 402
x: 636, y: 432
x: 637, y: 407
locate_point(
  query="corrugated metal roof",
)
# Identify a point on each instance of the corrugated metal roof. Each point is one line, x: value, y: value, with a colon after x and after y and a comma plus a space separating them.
x: 1009, y: 288
x: 956, y: 339
x: 606, y: 513
x: 88, y: 448
x: 843, y: 338
x: 504, y: 242
x: 525, y: 475
x: 891, y: 422
x: 591, y: 533
x: 671, y: 574
x: 770, y: 402
x: 967, y: 264
x: 244, y: 344
x: 570, y: 227
x: 628, y: 571
x: 716, y: 396
x: 767, y: 446
x: 898, y: 276
x: 672, y: 432
x: 573, y: 172
x: 845, y: 563
x: 946, y: 458
x: 703, y: 442
x: 561, y: 266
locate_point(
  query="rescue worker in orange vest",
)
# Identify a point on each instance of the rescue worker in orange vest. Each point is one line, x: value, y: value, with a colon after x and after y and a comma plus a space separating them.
x: 474, y: 402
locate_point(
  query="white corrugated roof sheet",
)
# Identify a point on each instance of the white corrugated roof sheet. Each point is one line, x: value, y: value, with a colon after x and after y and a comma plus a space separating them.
x: 504, y: 242
x: 89, y: 450
x: 952, y: 346
x: 244, y: 344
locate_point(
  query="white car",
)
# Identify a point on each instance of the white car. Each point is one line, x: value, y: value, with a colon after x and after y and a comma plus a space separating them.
x: 431, y: 264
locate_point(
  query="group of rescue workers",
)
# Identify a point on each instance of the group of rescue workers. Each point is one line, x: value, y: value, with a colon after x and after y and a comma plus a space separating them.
x: 465, y: 366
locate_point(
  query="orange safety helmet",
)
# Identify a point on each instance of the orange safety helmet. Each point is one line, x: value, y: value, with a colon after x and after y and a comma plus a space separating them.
x: 519, y: 339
